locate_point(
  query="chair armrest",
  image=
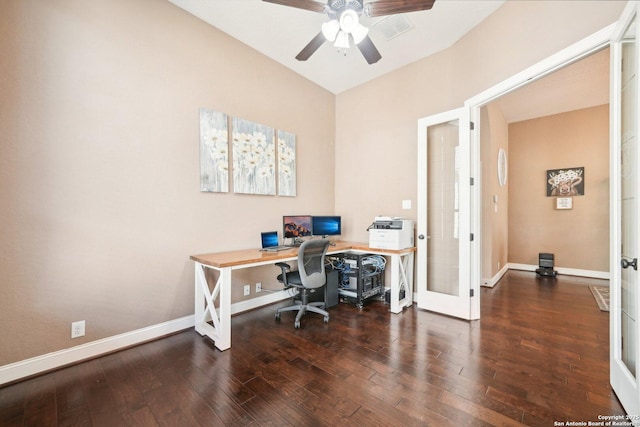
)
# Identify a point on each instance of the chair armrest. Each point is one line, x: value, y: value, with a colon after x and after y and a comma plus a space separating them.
x: 284, y: 266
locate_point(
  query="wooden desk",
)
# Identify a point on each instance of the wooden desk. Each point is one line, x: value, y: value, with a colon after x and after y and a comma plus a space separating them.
x: 219, y: 330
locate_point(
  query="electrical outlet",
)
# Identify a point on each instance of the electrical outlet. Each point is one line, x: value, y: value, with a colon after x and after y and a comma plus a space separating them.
x: 258, y: 287
x: 77, y: 329
x: 247, y: 290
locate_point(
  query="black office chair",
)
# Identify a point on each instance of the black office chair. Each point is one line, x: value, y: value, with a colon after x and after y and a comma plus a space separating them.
x: 309, y: 277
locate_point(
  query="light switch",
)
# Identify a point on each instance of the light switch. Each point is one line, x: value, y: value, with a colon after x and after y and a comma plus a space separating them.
x: 406, y: 204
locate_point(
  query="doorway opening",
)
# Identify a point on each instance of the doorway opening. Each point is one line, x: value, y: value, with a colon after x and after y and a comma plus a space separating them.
x: 558, y: 122
x: 572, y: 55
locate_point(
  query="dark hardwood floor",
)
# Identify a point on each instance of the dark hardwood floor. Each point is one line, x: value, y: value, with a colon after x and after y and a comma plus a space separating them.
x: 538, y: 355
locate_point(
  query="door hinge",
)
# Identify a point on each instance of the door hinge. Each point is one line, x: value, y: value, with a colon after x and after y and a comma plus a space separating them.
x: 472, y: 181
x: 472, y: 125
x: 471, y: 292
x: 472, y: 237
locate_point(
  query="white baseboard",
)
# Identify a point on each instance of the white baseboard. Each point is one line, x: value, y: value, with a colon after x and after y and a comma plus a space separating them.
x: 267, y: 298
x: 566, y: 271
x: 50, y: 361
x: 490, y: 283
x: 46, y: 362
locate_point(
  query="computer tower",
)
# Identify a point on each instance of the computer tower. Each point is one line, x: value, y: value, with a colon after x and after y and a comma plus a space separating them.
x: 329, y: 292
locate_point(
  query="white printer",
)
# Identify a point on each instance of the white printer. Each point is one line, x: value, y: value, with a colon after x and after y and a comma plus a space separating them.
x: 391, y: 233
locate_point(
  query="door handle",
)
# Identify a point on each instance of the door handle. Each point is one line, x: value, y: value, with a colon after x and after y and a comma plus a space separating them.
x: 421, y: 237
x: 626, y: 264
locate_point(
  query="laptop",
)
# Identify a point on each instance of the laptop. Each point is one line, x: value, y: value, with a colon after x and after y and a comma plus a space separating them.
x: 270, y: 242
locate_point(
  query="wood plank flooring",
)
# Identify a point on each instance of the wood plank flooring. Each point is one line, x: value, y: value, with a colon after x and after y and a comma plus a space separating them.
x: 538, y: 355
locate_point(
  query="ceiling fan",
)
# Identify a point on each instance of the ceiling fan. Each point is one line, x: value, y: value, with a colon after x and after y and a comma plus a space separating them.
x: 344, y: 23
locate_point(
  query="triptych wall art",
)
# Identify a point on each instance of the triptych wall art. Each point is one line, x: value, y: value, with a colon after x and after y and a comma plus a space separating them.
x: 257, y: 156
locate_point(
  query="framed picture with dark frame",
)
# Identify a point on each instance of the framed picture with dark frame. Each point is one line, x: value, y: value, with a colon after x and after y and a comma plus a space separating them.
x: 565, y: 182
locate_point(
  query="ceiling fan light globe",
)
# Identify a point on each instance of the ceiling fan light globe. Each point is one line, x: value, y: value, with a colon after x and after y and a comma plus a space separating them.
x: 330, y: 30
x: 359, y: 33
x: 349, y: 21
x: 342, y: 40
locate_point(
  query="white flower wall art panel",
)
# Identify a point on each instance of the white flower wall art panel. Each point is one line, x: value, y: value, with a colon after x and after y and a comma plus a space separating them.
x: 214, y: 151
x: 286, y: 163
x: 253, y: 158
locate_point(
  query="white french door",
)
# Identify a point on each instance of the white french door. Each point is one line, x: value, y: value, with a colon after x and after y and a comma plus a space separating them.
x: 625, y: 194
x: 443, y: 227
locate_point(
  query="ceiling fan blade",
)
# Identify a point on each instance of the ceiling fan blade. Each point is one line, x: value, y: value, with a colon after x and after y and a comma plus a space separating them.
x: 311, y: 47
x: 391, y: 7
x: 369, y: 51
x: 311, y: 5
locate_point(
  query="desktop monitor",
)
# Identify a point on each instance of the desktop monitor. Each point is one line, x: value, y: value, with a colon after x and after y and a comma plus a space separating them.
x: 326, y: 225
x: 294, y: 226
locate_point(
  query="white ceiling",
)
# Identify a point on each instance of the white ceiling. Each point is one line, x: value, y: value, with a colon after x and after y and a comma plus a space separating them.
x: 280, y: 32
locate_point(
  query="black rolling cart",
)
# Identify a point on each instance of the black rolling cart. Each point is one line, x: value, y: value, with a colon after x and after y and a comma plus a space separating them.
x: 361, y: 277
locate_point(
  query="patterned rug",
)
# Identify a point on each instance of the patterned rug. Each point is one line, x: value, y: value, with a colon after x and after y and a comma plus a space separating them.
x: 601, y: 294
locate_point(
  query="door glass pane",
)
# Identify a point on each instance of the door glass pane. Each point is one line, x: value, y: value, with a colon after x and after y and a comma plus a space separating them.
x: 442, y: 208
x: 629, y: 206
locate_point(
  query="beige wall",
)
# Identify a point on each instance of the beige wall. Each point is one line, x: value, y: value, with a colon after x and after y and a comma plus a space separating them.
x: 579, y: 237
x: 376, y: 123
x: 494, y: 135
x: 99, y: 163
x: 99, y: 177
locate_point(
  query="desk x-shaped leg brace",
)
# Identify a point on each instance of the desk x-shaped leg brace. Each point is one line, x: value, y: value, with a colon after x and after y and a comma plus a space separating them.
x: 401, y: 264
x: 219, y: 330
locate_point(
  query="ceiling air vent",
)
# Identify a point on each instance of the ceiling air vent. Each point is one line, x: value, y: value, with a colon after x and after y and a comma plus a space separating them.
x: 392, y: 26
